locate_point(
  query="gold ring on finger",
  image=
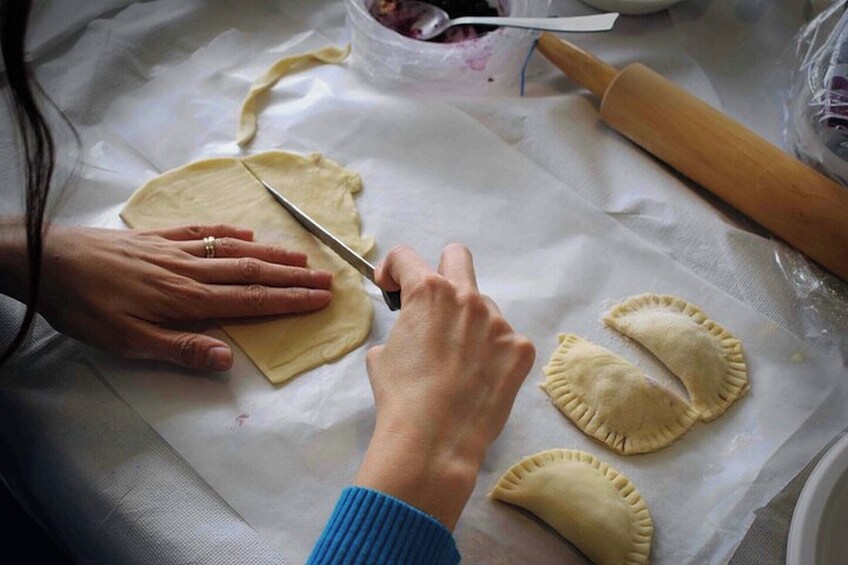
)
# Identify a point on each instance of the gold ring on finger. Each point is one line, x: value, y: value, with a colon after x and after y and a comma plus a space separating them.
x: 209, y: 246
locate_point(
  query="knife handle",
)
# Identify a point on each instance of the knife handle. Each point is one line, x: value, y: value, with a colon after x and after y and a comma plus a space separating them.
x: 392, y: 298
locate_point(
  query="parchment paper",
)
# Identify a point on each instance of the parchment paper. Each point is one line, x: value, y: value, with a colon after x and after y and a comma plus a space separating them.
x: 553, y: 263
x: 433, y: 174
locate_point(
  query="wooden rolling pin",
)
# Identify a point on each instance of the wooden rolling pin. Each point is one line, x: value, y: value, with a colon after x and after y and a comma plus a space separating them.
x: 795, y: 202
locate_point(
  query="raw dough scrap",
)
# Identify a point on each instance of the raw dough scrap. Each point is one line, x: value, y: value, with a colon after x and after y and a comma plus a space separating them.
x: 588, y: 502
x: 217, y: 191
x: 247, y: 118
x: 701, y: 353
x: 613, y: 401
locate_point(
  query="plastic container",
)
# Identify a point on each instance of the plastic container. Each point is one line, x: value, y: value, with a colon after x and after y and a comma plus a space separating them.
x: 489, y: 64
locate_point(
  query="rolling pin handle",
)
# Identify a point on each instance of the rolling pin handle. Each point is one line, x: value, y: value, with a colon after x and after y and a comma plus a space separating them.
x: 583, y: 67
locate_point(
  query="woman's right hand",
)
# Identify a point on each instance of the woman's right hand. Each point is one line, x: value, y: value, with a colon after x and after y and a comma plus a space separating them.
x: 444, y: 383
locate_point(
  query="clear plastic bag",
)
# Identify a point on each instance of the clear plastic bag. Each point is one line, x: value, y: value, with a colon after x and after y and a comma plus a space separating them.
x: 817, y: 132
x: 817, y: 109
x: 489, y: 64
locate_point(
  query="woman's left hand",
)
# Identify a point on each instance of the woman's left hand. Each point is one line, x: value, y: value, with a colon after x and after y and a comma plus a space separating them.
x: 127, y: 291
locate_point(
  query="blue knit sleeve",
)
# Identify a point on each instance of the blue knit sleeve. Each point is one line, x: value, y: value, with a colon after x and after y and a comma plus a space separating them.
x: 368, y: 526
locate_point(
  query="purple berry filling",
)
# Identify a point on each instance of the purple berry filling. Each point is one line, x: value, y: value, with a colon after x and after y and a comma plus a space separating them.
x: 399, y: 17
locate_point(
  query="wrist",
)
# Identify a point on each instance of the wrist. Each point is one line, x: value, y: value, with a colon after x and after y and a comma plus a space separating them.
x: 405, y: 465
x: 14, y: 265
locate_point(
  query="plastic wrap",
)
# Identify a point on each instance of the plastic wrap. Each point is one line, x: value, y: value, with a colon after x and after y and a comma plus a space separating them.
x: 817, y: 132
x: 488, y: 64
x: 817, y: 128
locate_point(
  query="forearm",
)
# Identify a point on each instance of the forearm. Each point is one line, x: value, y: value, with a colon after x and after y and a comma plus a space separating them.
x: 14, y: 267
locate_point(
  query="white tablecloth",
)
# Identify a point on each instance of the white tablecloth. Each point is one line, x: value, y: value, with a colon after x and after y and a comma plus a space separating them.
x: 564, y: 217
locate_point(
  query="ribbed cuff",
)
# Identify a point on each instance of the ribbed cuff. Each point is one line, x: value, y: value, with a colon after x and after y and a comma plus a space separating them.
x: 368, y: 526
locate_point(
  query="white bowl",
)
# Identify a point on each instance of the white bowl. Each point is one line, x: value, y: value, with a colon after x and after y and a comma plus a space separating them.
x: 632, y: 7
x: 818, y: 533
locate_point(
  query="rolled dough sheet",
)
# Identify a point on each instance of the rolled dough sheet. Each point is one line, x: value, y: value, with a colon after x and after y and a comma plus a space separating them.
x: 221, y: 191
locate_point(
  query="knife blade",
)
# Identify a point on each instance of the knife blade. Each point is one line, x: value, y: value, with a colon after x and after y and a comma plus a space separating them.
x: 339, y: 247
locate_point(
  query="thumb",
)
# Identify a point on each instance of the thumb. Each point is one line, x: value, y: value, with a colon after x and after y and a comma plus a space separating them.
x: 192, y: 350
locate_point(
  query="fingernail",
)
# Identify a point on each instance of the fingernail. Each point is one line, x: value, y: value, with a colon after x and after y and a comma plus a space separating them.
x: 321, y: 296
x: 322, y: 279
x: 219, y: 358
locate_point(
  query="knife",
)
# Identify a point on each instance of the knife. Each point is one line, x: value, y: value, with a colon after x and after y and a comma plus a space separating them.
x: 339, y: 247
